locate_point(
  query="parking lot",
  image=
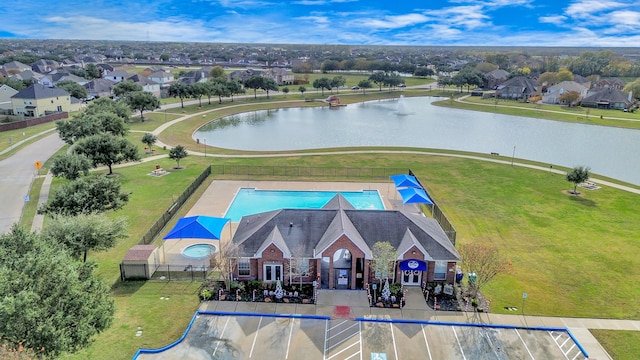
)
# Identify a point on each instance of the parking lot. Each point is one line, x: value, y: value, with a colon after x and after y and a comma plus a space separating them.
x: 214, y: 335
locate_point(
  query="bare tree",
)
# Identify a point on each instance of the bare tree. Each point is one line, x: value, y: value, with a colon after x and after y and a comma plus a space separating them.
x: 298, y: 266
x: 224, y: 262
x: 485, y: 261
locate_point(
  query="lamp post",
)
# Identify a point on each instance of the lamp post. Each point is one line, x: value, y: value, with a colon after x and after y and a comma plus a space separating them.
x: 205, y: 146
x: 514, y: 154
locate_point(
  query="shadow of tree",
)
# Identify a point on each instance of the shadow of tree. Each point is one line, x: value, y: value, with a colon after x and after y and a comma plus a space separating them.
x: 583, y: 201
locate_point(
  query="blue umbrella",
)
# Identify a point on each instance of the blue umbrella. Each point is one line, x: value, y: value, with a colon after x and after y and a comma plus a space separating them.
x: 415, y: 196
x: 405, y: 181
x: 197, y: 227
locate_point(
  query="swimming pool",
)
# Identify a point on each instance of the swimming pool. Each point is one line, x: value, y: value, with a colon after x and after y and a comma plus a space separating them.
x: 252, y: 201
x: 199, y: 251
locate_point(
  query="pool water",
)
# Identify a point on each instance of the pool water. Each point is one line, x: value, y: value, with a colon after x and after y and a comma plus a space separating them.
x: 199, y: 251
x: 251, y: 201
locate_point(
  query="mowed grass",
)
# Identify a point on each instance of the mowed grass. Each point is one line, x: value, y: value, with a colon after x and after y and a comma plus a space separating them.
x: 615, y: 118
x: 620, y: 344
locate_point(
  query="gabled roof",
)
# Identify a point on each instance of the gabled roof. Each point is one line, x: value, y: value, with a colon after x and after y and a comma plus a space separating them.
x: 142, y: 80
x: 275, y: 238
x: 609, y: 95
x: 338, y: 202
x: 408, y: 241
x: 498, y: 74
x: 307, y: 232
x: 565, y: 86
x: 37, y: 91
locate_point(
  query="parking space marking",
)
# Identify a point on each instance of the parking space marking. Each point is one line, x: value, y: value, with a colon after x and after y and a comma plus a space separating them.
x: 555, y: 339
x: 326, y: 332
x: 221, y: 337
x: 340, y: 332
x: 525, y: 344
x: 341, y: 351
x: 424, y: 334
x: 458, y: 340
x: 291, y: 320
x: 393, y: 340
x: 255, y: 337
x: 344, y: 321
x: 360, y: 337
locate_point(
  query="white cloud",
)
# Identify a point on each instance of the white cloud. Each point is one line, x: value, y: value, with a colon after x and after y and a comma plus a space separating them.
x: 468, y: 17
x: 392, y: 22
x: 557, y: 19
x: 318, y: 20
x: 592, y: 8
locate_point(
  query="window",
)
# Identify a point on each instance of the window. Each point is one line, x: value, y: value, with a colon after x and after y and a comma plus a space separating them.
x: 440, y: 270
x: 243, y: 267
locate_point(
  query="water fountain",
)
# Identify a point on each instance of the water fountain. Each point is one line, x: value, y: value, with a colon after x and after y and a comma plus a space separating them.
x: 401, y: 108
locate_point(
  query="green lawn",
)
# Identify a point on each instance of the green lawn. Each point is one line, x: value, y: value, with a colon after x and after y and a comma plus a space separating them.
x: 11, y: 137
x: 621, y: 345
x: 573, y: 255
x: 544, y: 111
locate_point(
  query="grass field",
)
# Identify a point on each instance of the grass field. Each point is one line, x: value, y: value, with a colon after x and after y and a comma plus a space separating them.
x: 573, y: 255
x: 621, y: 345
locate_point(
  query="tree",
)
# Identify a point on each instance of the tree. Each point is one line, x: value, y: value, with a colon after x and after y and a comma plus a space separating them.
x: 221, y: 87
x: 322, y: 83
x: 548, y: 78
x: 254, y: 82
x: 216, y: 72
x: 123, y: 88
x: 365, y: 84
x: 86, y: 195
x: 269, y: 84
x: 564, y: 75
x: 337, y: 82
x: 105, y: 105
x: 197, y: 91
x: 234, y: 87
x: 570, y: 97
x: 178, y: 153
x: 73, y: 88
x: 485, y: 261
x: 285, y: 90
x: 51, y: 303
x: 142, y: 101
x: 224, y: 262
x: 164, y: 57
x: 378, y: 78
x: 84, y: 232
x: 70, y: 166
x: 302, y: 89
x: 149, y: 139
x: 90, y: 123
x: 384, y: 257
x: 107, y: 150
x: 423, y: 72
x: 179, y: 90
x: 578, y: 175
x: 634, y: 88
x: 93, y: 72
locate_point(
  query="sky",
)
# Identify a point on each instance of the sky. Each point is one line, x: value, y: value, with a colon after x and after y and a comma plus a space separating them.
x: 578, y: 23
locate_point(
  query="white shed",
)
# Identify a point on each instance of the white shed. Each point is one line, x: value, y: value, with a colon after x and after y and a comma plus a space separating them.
x: 140, y: 262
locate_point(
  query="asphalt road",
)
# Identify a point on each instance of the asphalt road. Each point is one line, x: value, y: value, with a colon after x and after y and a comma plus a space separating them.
x: 17, y: 174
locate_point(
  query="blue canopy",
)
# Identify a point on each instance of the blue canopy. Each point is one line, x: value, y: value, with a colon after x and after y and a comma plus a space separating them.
x: 415, y: 196
x: 197, y: 227
x: 405, y: 181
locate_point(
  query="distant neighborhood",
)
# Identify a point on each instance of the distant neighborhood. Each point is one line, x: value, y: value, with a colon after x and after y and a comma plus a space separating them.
x: 36, y: 76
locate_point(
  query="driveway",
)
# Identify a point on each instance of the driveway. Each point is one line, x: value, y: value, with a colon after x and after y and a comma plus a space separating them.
x: 18, y: 172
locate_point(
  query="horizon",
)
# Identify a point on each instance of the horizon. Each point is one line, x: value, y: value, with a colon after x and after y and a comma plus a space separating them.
x: 451, y: 23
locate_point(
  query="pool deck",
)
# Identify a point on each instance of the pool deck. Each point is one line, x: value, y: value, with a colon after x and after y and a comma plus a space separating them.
x: 218, y: 197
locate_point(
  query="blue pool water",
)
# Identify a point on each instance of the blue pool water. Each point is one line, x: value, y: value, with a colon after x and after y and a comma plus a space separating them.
x: 252, y: 201
x: 199, y: 251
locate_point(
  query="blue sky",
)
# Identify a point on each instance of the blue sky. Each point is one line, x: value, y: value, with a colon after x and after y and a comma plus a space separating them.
x: 607, y: 23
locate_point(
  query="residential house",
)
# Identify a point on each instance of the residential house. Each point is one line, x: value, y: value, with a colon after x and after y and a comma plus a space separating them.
x: 607, y: 98
x: 99, y: 88
x: 281, y: 76
x: 495, y: 78
x: 38, y: 100
x: 28, y: 75
x: 610, y: 83
x: 105, y: 68
x: 518, y: 88
x: 44, y: 66
x: 116, y: 76
x: 335, y: 243
x: 15, y: 67
x: 242, y: 75
x: 555, y: 92
x: 193, y: 77
x: 164, y: 78
x: 147, y: 84
x: 6, y: 92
